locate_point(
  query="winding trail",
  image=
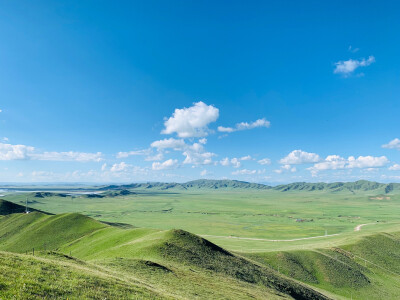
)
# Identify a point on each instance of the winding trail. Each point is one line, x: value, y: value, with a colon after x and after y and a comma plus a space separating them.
x: 266, y: 240
x: 358, y: 227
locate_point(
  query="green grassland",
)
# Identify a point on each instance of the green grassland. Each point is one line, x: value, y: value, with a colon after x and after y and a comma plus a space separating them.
x: 244, y: 243
x: 221, y: 215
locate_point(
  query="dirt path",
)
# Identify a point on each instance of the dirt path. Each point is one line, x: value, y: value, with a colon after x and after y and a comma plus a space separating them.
x: 358, y: 227
x: 266, y: 240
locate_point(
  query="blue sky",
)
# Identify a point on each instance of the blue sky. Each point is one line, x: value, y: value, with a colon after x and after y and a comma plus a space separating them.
x: 261, y: 91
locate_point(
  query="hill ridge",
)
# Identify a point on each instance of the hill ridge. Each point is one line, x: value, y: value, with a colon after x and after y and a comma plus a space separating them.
x: 359, y: 185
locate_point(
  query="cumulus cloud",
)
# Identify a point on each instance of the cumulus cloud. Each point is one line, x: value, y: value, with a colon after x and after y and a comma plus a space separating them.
x: 264, y: 161
x: 298, y: 157
x: 23, y: 152
x: 203, y: 141
x: 395, y: 167
x: 244, y: 172
x: 132, y: 153
x: 234, y: 162
x: 204, y: 173
x: 158, y: 156
x: 245, y: 126
x: 393, y: 144
x: 15, y: 152
x: 347, y: 67
x: 68, y: 156
x: 120, y: 167
x: 367, y: 162
x: 170, y: 143
x: 192, y: 121
x: 196, y: 155
x: 286, y: 168
x: 166, y: 165
x: 247, y: 157
x: 335, y: 162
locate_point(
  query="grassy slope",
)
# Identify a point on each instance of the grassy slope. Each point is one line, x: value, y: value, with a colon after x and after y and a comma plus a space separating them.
x: 191, y: 264
x: 179, y: 264
x: 367, y: 269
x: 27, y: 277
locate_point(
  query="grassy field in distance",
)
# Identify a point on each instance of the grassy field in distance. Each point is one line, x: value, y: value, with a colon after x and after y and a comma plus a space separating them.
x: 225, y: 217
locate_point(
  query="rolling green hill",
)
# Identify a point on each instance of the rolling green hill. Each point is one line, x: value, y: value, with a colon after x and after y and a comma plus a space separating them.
x: 190, y: 263
x: 366, y: 269
x: 361, y: 185
x: 78, y: 257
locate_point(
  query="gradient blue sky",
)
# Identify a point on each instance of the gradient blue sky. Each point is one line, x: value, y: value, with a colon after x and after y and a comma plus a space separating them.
x: 81, y: 81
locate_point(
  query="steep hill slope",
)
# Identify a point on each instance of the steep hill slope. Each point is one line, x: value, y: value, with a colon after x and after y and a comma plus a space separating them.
x: 367, y: 269
x: 29, y: 277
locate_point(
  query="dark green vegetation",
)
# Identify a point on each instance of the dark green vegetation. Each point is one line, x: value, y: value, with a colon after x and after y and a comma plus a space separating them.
x: 244, y: 220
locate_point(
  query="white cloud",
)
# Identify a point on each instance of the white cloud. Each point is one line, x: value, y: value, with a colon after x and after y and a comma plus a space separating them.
x: 170, y: 143
x: 336, y: 162
x: 15, y: 152
x: 104, y: 167
x: 203, y: 141
x: 349, y: 66
x: 244, y: 172
x: 23, y: 152
x: 158, y: 156
x: 196, y: 155
x: 1, y: 110
x: 131, y: 153
x: 203, y: 173
x: 68, y: 156
x: 367, y: 162
x: 5, y: 139
x: 331, y: 162
x: 393, y: 144
x: 353, y: 50
x: 225, y: 129
x: 120, y: 167
x: 234, y: 162
x: 289, y: 168
x: 192, y: 121
x: 395, y: 167
x: 166, y: 165
x: 225, y: 162
x: 264, y: 161
x: 298, y: 157
x: 286, y: 168
x: 245, y: 126
x: 247, y: 157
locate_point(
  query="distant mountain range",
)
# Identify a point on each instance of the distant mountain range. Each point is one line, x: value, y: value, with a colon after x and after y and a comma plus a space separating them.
x: 361, y: 185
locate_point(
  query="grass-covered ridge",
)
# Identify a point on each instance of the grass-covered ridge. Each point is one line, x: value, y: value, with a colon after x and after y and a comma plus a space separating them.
x: 366, y: 269
x: 173, y: 253
x: 360, y: 185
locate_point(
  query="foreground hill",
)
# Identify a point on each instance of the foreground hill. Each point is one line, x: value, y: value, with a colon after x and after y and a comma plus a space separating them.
x: 172, y: 263
x: 78, y: 257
